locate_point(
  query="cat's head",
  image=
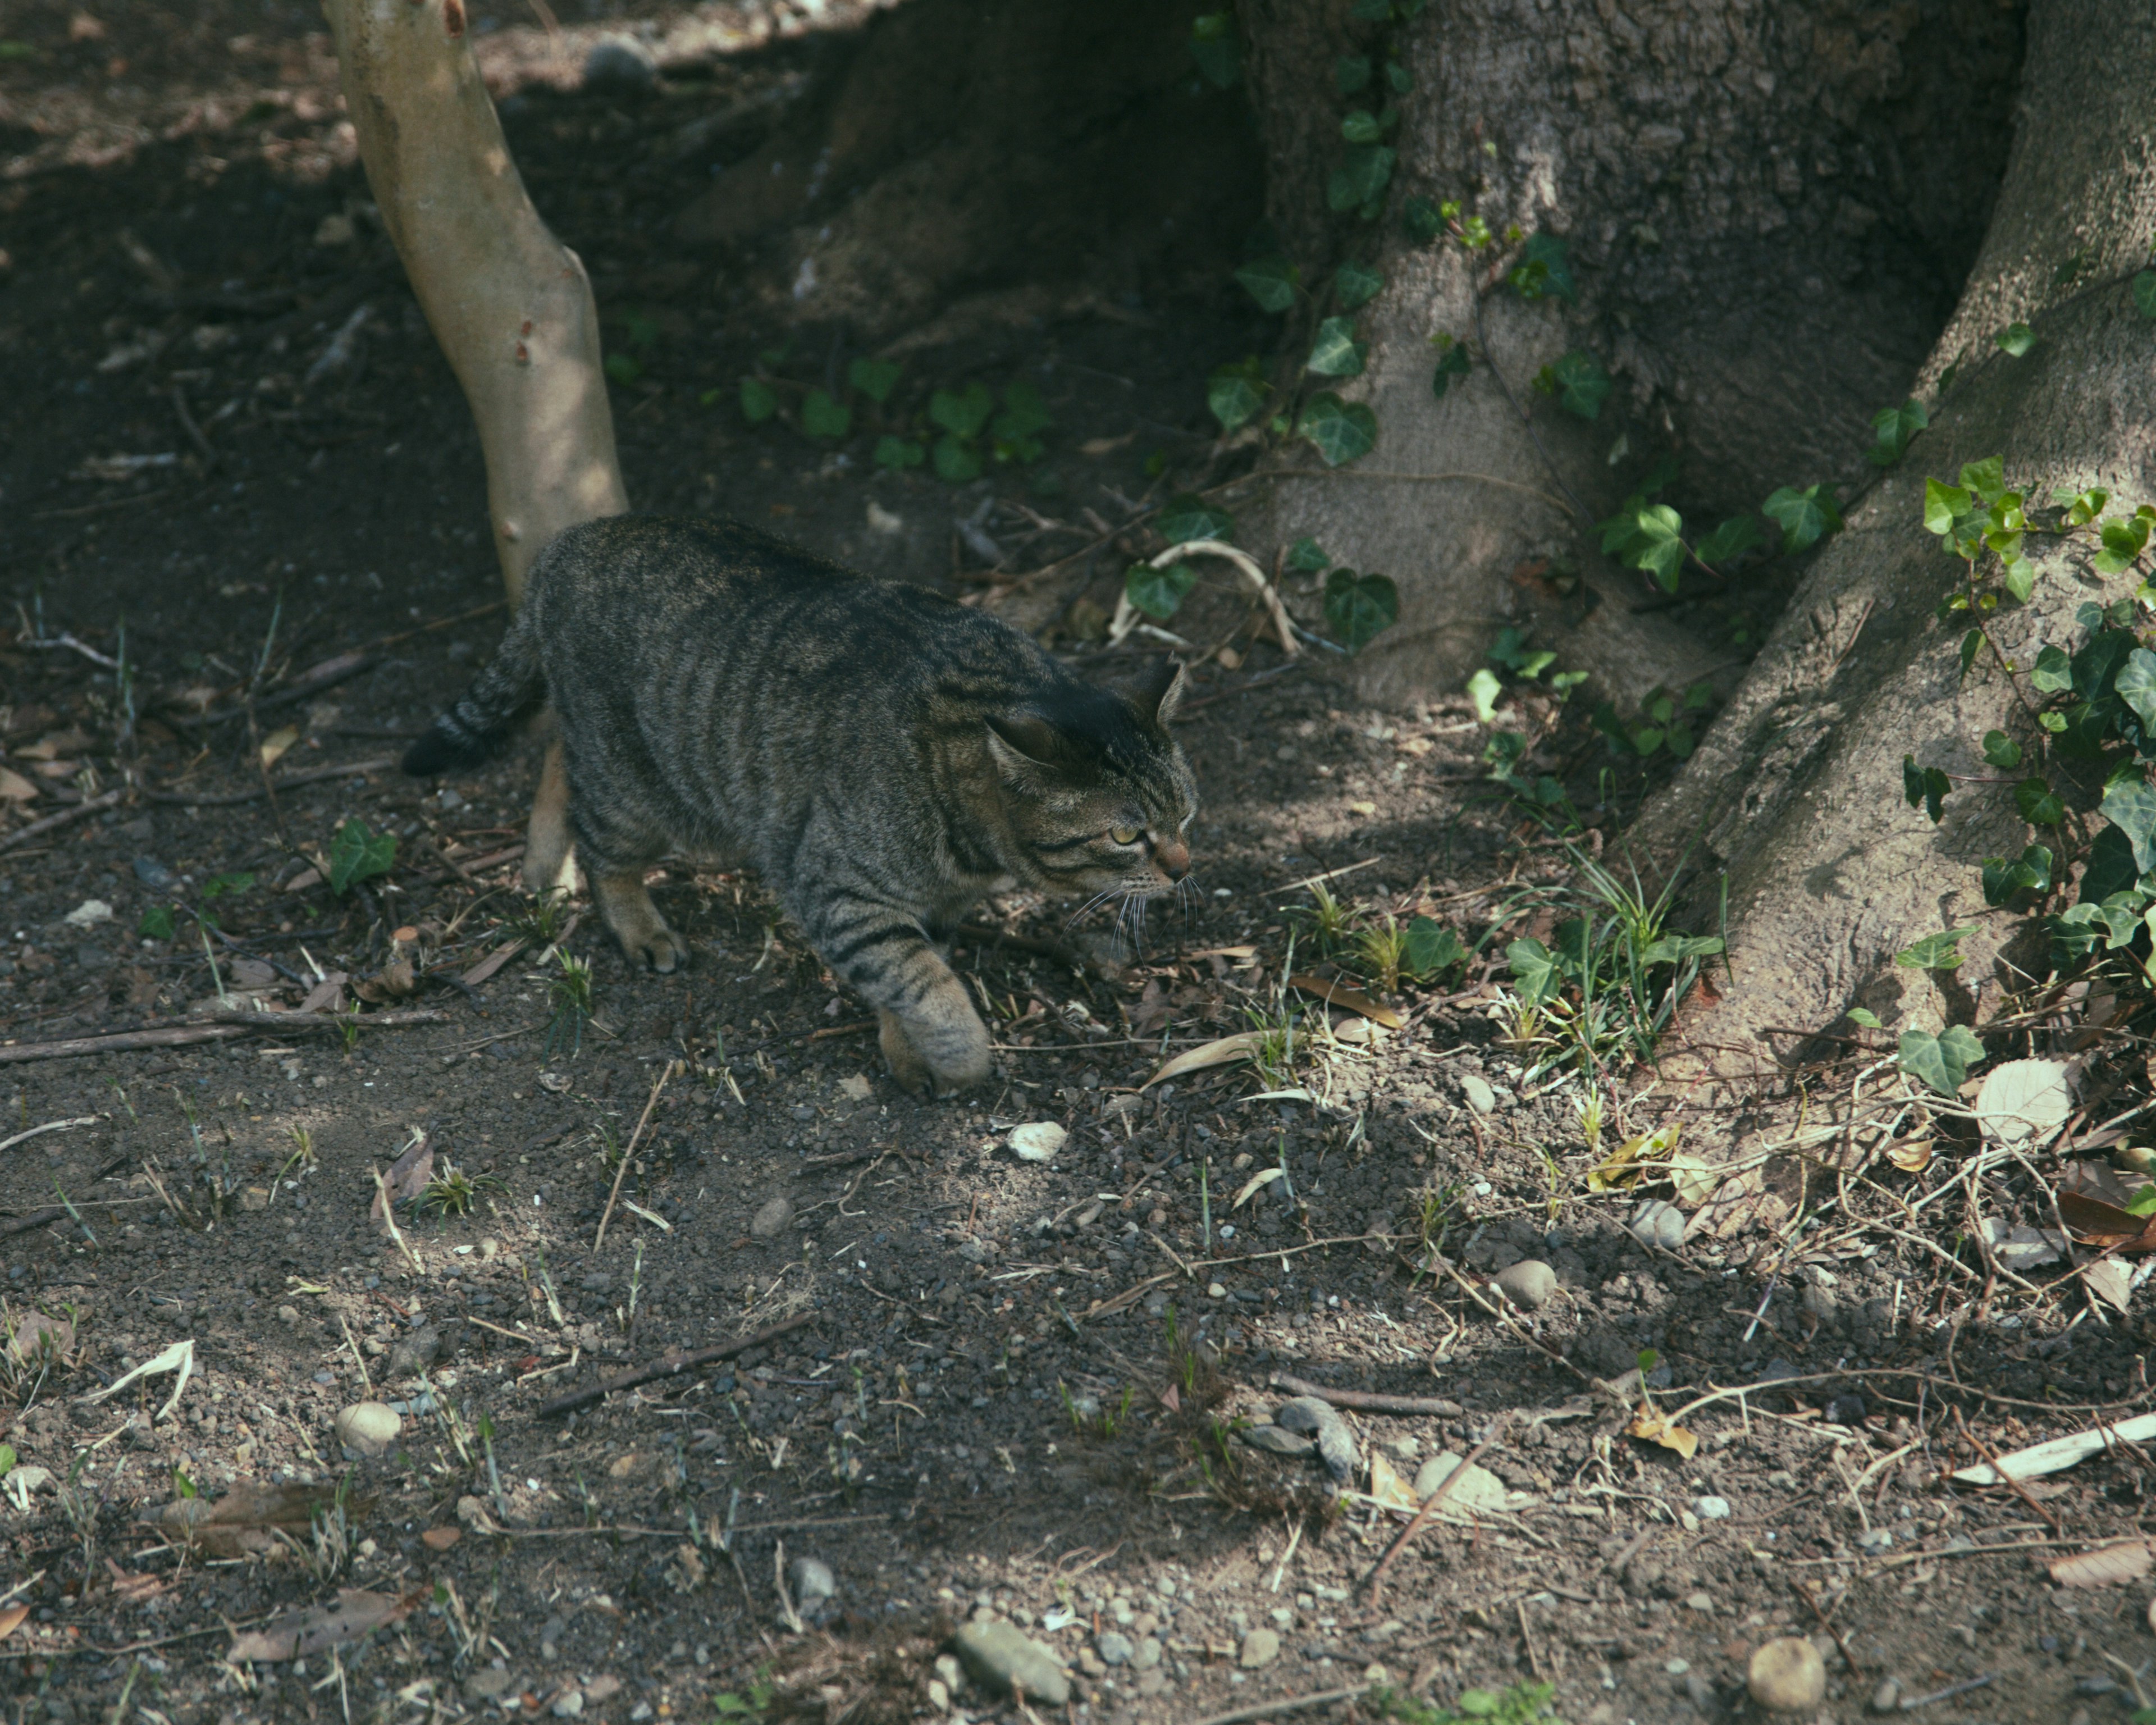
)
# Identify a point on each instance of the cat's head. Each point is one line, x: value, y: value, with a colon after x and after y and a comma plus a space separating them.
x: 1099, y: 795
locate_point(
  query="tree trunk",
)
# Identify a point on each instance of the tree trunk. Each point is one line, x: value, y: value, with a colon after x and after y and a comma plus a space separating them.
x: 509, y: 303
x: 1768, y: 210
x: 1796, y: 792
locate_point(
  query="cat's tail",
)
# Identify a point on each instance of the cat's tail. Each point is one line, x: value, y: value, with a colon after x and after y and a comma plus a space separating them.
x: 486, y: 715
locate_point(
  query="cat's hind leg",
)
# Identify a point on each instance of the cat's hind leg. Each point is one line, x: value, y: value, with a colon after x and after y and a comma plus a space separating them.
x: 932, y: 1039
x: 615, y: 857
x: 550, y: 854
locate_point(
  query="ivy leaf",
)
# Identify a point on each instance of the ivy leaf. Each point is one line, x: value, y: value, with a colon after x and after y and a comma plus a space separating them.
x: 962, y: 415
x: 875, y: 378
x: 1397, y: 77
x: 1660, y: 548
x: 2019, y: 576
x: 1422, y: 220
x: 1350, y: 73
x: 1309, y: 556
x: 1733, y: 538
x: 1431, y: 949
x: 2130, y: 806
x: 1235, y: 394
x: 1189, y: 516
x: 1215, y: 49
x: 1971, y: 645
x: 957, y: 458
x: 2123, y: 542
x: 356, y: 855
x: 822, y: 416
x: 2000, y: 750
x: 1862, y: 1015
x: 624, y: 367
x: 1454, y: 364
x: 1271, y: 282
x: 1361, y: 126
x: 2111, y: 866
x: 2015, y: 339
x: 1987, y: 479
x: 1354, y: 285
x: 1359, y: 607
x: 2144, y: 293
x: 1340, y: 431
x: 1942, y: 1061
x: 1582, y: 385
x: 1944, y: 506
x: 1535, y: 970
x: 1483, y: 689
x: 898, y: 453
x: 2053, y: 673
x: 2031, y: 872
x: 1805, y: 517
x: 1158, y: 592
x: 1924, y: 788
x: 1025, y: 414
x: 156, y: 923
x: 1361, y: 179
x: 2041, y: 805
x: 1891, y: 428
x: 758, y: 401
x: 1335, y: 352
x: 2136, y: 684
x: 1545, y: 268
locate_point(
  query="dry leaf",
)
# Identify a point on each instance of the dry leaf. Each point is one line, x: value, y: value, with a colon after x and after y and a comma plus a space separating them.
x: 1694, y: 1179
x: 441, y: 1538
x: 1656, y: 1429
x: 1624, y: 1167
x: 1263, y: 1177
x: 1352, y: 999
x: 2126, y: 1561
x: 2022, y: 1100
x: 326, y: 995
x: 408, y: 1175
x: 1913, y: 1156
x: 2109, y: 1280
x: 37, y: 1332
x: 179, y: 1357
x: 276, y: 742
x: 1239, y: 1047
x: 249, y: 1521
x: 1387, y: 1488
x: 320, y: 1627
x: 2105, y: 1225
x: 16, y: 788
x: 395, y: 981
x: 1239, y: 954
x: 2058, y: 1453
x: 11, y: 1618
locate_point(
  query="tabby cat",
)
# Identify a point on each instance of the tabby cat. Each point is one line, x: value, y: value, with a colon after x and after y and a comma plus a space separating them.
x: 883, y: 756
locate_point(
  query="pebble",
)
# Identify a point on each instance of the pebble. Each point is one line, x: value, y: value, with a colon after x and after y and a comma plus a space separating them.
x: 1318, y: 1420
x: 415, y: 1352
x: 1480, y: 1097
x: 813, y: 1581
x: 1116, y: 1647
x: 487, y: 1684
x: 620, y: 63
x: 1005, y: 1660
x: 1277, y: 1441
x: 367, y: 1428
x: 1038, y: 1141
x: 1658, y: 1223
x: 569, y: 1705
x: 1147, y: 1654
x: 1711, y: 1509
x: 1886, y: 1698
x: 1786, y: 1676
x: 1874, y: 1539
x: 772, y: 1219
x: 1260, y: 1647
x: 1529, y: 1284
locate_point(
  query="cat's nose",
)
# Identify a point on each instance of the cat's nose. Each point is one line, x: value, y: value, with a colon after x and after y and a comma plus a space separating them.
x: 1173, y: 858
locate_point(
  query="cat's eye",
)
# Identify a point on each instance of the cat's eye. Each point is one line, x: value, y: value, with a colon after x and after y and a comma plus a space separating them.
x: 1124, y: 835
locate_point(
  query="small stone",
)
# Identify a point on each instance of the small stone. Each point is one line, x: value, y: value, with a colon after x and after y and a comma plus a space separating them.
x: 1216, y: 1290
x: 1886, y: 1698
x: 288, y: 1315
x: 1147, y: 1654
x: 1005, y: 1660
x: 367, y: 1428
x: 1874, y: 1539
x: 1676, y: 1667
x: 1529, y: 1284
x: 1658, y: 1223
x: 569, y: 1705
x: 1319, y: 1420
x: 855, y: 1087
x: 1786, y: 1676
x: 621, y: 64
x: 813, y: 1581
x: 487, y: 1684
x: 1480, y: 1097
x: 1276, y: 1442
x: 415, y: 1352
x: 1261, y: 1648
x: 1115, y: 1648
x: 939, y: 1697
x: 88, y: 914
x: 774, y: 1220
x: 1711, y: 1509
x: 1699, y: 1602
x: 1038, y: 1141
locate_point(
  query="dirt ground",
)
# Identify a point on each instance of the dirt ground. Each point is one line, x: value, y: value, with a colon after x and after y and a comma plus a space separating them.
x: 1001, y: 1388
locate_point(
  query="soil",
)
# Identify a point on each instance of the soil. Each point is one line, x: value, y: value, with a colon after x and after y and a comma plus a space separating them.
x: 1012, y: 1387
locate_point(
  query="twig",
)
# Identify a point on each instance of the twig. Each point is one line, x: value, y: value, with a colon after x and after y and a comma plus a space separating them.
x: 1367, y: 1402
x: 389, y: 1221
x: 1430, y: 1507
x: 670, y: 1366
x: 1527, y: 1640
x: 1998, y: 1472
x: 312, y: 775
x: 1952, y: 1690
x: 1827, y: 1623
x: 396, y: 1019
x: 628, y: 1150
x: 74, y: 1046
x: 66, y: 817
x: 1294, y: 1704
x: 50, y: 1126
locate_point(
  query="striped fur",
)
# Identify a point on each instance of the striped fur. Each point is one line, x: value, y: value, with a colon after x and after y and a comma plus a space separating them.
x: 883, y: 756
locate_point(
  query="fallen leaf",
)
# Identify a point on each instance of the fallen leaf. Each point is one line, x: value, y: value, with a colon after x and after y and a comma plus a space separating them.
x: 1264, y: 1177
x: 326, y: 995
x: 1239, y: 954
x: 1694, y: 1179
x: 1632, y: 1158
x: 2109, y: 1280
x: 320, y: 1627
x: 1913, y: 1156
x: 1656, y: 1429
x: 2105, y: 1225
x: 2060, y: 1453
x: 37, y: 1332
x: 493, y: 962
x: 303, y: 882
x: 133, y: 1588
x: 276, y: 742
x: 249, y: 1520
x: 1390, y: 1491
x: 16, y: 788
x: 395, y: 981
x: 2023, y: 1099
x: 2127, y: 1560
x: 12, y: 1619
x: 441, y: 1538
x: 1353, y: 1000
x: 179, y: 1357
x: 1239, y: 1047
x: 408, y: 1175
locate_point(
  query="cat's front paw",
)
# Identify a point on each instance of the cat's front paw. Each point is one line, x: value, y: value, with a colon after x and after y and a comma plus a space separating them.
x: 902, y: 1058
x: 660, y: 949
x: 951, y: 1063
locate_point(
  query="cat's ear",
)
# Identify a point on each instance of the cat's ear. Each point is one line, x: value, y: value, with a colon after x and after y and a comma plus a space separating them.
x: 1023, y: 748
x: 1159, y: 692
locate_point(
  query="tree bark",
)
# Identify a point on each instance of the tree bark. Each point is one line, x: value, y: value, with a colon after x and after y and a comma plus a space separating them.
x: 509, y: 303
x: 1796, y: 792
x: 1768, y: 208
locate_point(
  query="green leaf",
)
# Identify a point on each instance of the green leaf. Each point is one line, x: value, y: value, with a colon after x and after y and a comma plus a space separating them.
x: 624, y: 367
x: 1361, y: 126
x: 1188, y: 516
x: 956, y: 459
x: 2000, y: 750
x: 642, y: 330
x: 182, y: 1487
x: 962, y: 415
x: 2136, y: 685
x: 1214, y: 50
x: 1675, y: 948
x: 1535, y: 969
x: 1891, y: 428
x: 1660, y: 547
x: 1582, y: 385
x: 2038, y: 803
x: 1545, y: 267
x: 2031, y: 872
x: 1359, y: 607
x: 1924, y: 787
x: 1733, y: 538
x: 1271, y: 282
x: 1361, y: 178
x: 1862, y: 1015
x: 2144, y: 293
x: 1024, y: 413
x: 1354, y: 285
x: 1236, y: 394
x: 875, y: 378
x: 1397, y: 78
x: 1158, y: 592
x: 1350, y: 73
x: 1805, y: 517
x: 1483, y: 689
x: 2016, y: 339
x: 1335, y: 352
x: 1422, y: 220
x: 156, y: 923
x: 2019, y: 576
x: 1454, y: 364
x: 1986, y: 479
x: 897, y: 453
x: 822, y: 416
x: 1340, y: 431
x: 1941, y: 1062
x: 1431, y: 949
x: 2111, y: 866
x: 758, y: 401
x: 2130, y: 806
x: 356, y: 855
x: 1944, y: 506
x: 1308, y: 555
x: 2123, y: 542
x: 2053, y: 672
